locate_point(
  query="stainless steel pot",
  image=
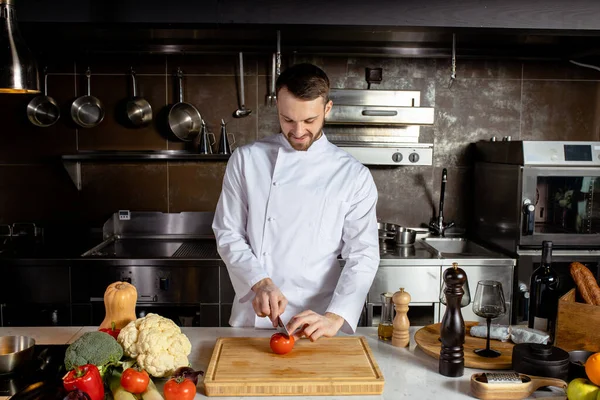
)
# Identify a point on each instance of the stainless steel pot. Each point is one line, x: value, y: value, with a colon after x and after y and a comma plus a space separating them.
x: 400, y: 235
x: 87, y: 111
x: 139, y: 111
x: 43, y: 111
x: 386, y: 227
x: 14, y: 352
x: 184, y: 119
x: 405, y: 236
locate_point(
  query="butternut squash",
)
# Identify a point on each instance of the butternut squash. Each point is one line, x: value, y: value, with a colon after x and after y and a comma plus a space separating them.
x: 119, y: 302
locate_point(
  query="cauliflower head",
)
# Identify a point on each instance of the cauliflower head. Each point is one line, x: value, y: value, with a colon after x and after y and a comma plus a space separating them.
x: 156, y: 343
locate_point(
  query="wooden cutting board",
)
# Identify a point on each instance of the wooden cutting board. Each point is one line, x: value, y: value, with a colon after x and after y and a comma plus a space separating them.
x: 330, y: 366
x: 427, y: 340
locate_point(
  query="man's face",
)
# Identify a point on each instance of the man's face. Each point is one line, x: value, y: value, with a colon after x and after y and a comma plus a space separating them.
x: 301, y: 120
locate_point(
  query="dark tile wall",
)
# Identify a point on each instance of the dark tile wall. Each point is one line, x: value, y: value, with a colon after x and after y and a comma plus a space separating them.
x: 526, y: 100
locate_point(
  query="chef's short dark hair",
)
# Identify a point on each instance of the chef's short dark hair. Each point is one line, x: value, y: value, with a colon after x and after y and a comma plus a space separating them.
x: 305, y: 81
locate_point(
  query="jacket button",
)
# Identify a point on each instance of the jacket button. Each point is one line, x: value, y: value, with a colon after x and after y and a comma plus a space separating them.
x: 266, y: 253
x: 270, y: 219
x: 274, y: 183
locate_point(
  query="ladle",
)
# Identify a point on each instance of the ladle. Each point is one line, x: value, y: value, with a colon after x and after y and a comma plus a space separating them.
x: 242, y: 111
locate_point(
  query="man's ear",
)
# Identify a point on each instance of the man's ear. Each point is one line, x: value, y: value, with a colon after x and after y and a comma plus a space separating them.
x: 328, y: 107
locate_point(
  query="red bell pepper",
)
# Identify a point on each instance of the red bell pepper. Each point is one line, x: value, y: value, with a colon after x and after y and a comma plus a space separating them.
x: 111, y: 331
x: 87, y: 379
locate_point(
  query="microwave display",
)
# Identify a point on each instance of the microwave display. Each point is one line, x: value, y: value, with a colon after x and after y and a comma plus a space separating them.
x: 578, y: 152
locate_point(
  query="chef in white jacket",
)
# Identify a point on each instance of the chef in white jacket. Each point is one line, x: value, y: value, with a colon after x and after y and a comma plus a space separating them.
x: 290, y: 205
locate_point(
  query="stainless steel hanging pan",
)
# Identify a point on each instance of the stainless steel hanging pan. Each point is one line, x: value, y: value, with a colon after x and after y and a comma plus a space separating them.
x: 43, y: 111
x: 87, y: 111
x: 139, y: 111
x: 184, y: 119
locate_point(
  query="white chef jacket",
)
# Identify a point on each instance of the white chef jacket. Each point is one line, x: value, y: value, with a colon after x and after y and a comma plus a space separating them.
x: 287, y: 215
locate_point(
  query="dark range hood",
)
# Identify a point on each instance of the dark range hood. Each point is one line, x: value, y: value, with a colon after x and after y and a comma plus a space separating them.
x: 549, y: 29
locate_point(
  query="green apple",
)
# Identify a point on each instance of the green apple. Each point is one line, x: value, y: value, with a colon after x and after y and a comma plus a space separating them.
x: 582, y: 389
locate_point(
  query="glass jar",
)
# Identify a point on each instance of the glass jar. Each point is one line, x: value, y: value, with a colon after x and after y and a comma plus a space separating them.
x: 386, y: 325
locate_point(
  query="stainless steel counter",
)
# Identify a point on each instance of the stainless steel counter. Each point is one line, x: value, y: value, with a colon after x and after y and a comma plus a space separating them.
x: 203, y: 253
x: 422, y: 254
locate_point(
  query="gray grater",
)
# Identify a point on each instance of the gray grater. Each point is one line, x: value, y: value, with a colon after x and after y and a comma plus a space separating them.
x: 503, y: 377
x: 509, y: 385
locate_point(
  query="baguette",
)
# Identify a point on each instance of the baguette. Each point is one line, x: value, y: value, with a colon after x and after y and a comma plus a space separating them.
x: 586, y: 283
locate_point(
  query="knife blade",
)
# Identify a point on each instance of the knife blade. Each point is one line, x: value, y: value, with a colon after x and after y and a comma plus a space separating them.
x: 281, y: 328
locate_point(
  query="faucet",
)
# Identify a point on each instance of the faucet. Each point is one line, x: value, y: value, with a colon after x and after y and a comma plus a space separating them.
x: 437, y: 225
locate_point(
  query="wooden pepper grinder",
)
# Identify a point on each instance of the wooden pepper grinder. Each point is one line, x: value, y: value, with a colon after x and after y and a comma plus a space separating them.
x: 452, y: 330
x: 401, y: 336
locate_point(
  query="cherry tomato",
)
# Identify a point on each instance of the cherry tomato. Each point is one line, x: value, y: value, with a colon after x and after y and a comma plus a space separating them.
x: 135, y: 381
x: 280, y: 344
x: 179, y: 389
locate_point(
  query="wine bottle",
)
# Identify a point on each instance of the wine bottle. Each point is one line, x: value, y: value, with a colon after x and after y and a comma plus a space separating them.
x: 543, y: 300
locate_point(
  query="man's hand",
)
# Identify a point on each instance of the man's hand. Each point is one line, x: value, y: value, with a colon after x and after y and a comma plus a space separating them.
x: 315, y: 325
x: 269, y: 301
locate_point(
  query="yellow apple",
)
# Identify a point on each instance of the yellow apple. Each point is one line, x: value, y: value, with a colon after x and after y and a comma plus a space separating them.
x: 582, y: 389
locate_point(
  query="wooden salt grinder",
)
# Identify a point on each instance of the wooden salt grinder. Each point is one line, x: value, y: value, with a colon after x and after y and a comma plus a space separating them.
x: 401, y: 336
x: 452, y: 329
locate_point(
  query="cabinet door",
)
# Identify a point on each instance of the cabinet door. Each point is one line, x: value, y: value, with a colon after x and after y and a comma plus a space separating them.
x: 422, y: 282
x: 475, y: 274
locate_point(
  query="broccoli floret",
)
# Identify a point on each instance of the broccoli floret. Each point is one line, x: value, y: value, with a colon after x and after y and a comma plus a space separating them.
x: 98, y: 348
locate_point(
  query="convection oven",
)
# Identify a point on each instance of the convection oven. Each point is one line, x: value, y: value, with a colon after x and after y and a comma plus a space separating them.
x: 527, y: 192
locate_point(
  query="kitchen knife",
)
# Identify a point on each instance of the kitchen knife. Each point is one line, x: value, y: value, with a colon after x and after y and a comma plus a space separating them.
x: 281, y: 328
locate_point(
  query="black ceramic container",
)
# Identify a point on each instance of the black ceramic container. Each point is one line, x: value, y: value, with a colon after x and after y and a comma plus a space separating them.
x: 540, y: 360
x: 577, y: 360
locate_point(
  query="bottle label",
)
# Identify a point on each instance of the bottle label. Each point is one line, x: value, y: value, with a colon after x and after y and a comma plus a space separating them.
x: 540, y: 324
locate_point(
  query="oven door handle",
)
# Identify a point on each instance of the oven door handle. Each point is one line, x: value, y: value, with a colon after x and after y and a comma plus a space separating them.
x: 529, y: 211
x: 379, y: 113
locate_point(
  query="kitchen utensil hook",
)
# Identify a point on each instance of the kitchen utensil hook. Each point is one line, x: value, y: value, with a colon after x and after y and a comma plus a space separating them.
x: 242, y: 111
x: 272, y: 97
x: 453, y: 68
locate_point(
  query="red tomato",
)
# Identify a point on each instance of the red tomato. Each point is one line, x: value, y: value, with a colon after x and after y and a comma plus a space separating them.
x: 179, y: 389
x: 135, y: 381
x: 280, y: 344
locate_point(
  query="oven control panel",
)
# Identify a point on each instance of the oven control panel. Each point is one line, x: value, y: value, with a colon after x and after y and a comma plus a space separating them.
x: 160, y: 284
x: 392, y: 155
x: 561, y: 153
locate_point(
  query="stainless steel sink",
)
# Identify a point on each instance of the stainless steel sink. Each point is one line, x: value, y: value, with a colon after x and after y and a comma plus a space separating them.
x: 455, y: 245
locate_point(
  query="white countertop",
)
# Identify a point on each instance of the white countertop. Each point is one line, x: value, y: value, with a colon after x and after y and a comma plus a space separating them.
x: 408, y: 372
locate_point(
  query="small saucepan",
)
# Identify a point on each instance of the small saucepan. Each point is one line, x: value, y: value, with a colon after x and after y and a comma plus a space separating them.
x: 405, y: 236
x: 43, y: 111
x: 185, y: 120
x: 397, y: 234
x: 139, y: 111
x: 15, y: 351
x: 87, y: 111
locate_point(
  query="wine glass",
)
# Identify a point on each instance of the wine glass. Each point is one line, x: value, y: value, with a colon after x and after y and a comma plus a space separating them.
x: 489, y: 303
